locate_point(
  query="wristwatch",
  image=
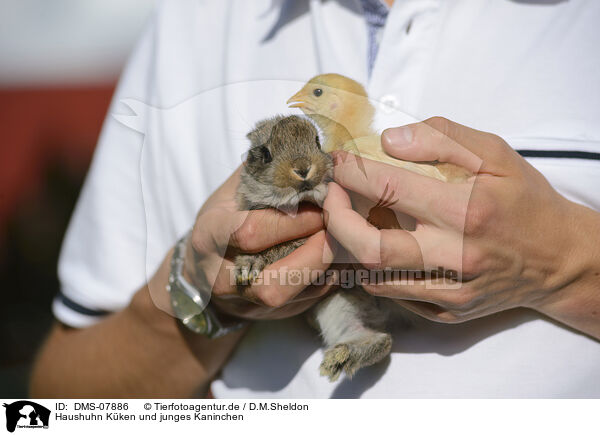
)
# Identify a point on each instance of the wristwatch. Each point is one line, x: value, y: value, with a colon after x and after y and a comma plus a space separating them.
x: 191, y: 305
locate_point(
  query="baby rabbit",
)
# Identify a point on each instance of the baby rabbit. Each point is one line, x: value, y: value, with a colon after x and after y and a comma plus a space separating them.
x: 285, y: 165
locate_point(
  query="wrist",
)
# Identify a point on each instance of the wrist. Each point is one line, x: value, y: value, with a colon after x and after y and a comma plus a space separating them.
x: 190, y: 300
x: 192, y: 356
x: 194, y: 274
x: 151, y: 304
x: 191, y: 263
x: 576, y: 299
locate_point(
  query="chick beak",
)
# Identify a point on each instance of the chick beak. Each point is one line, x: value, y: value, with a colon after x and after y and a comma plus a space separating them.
x: 297, y: 100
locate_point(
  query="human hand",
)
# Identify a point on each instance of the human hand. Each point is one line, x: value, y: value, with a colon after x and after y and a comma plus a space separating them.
x: 512, y: 239
x: 222, y: 231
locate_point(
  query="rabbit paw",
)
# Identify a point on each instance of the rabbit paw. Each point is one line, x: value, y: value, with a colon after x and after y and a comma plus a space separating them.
x: 351, y: 356
x: 247, y: 269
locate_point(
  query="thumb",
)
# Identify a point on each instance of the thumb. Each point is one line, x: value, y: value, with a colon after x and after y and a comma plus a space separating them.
x: 441, y: 140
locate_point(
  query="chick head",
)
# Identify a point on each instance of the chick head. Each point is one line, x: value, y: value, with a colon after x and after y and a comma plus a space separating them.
x: 334, y: 97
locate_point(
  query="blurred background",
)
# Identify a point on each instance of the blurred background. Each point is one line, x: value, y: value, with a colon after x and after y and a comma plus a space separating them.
x: 59, y: 63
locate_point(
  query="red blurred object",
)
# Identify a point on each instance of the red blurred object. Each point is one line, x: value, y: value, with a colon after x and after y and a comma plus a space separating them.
x: 43, y: 125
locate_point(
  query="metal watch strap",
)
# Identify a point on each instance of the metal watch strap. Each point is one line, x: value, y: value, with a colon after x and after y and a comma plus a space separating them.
x: 191, y: 304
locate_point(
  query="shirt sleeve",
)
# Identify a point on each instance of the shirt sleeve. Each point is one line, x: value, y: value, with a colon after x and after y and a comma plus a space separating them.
x: 101, y: 264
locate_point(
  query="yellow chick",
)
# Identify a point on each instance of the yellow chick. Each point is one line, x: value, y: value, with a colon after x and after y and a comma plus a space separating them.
x: 340, y: 107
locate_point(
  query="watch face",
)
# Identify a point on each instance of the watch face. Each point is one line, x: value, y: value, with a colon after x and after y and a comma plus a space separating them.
x: 197, y: 323
x: 188, y: 311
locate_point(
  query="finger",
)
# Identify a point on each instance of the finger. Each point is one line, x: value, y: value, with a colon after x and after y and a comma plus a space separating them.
x: 313, y: 292
x: 429, y: 311
x: 417, y: 195
x: 426, y: 248
x: 438, y: 139
x: 253, y: 231
x: 265, y: 228
x: 245, y: 309
x: 330, y: 281
x: 218, y: 274
x: 370, y: 246
x: 283, y: 280
x: 422, y: 142
x: 445, y: 293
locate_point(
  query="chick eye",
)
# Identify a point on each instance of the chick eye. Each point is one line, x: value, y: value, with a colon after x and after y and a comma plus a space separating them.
x: 266, y: 155
x: 318, y: 92
x: 318, y: 141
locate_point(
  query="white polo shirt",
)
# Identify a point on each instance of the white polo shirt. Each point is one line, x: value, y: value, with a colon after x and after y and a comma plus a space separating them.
x: 205, y: 71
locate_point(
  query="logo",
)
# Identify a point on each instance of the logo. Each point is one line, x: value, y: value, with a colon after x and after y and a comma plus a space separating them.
x: 26, y: 414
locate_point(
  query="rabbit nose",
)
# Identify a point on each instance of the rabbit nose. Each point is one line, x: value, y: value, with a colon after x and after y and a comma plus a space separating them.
x: 302, y: 172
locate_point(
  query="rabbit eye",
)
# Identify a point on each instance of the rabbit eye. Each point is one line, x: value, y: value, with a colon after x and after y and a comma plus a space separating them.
x: 318, y: 141
x: 266, y: 155
x: 318, y: 92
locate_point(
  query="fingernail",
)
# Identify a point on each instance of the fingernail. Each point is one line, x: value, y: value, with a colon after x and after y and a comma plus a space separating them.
x: 399, y: 137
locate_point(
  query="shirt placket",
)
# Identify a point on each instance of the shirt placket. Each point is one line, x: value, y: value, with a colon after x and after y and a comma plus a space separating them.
x: 407, y: 46
x: 375, y: 13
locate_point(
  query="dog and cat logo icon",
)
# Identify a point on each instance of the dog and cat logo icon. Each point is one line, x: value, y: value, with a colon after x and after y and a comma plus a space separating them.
x: 25, y: 414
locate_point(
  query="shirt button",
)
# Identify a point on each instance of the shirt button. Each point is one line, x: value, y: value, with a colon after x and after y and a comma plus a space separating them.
x: 388, y: 103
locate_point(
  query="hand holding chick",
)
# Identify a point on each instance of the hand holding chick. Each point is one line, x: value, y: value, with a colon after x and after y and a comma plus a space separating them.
x: 512, y: 240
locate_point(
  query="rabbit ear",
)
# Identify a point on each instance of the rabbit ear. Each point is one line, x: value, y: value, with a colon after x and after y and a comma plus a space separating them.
x: 261, y: 132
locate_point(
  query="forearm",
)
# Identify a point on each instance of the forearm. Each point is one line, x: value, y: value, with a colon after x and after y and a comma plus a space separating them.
x: 577, y: 302
x: 138, y: 352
